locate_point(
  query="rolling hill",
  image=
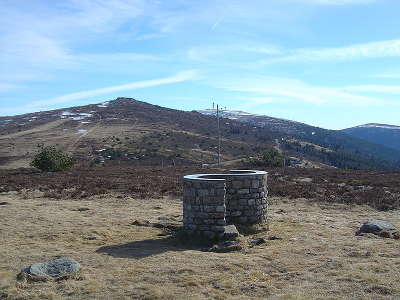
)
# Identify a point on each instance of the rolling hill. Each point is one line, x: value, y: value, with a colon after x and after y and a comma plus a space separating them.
x: 127, y: 131
x: 383, y: 134
x: 332, y: 147
x: 130, y: 131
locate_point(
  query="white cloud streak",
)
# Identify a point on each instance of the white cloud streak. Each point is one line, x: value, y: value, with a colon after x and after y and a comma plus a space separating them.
x: 334, y: 2
x: 275, y: 89
x: 382, y: 89
x: 388, y: 75
x: 381, y: 49
x: 177, y: 78
x: 5, y: 87
x: 259, y: 54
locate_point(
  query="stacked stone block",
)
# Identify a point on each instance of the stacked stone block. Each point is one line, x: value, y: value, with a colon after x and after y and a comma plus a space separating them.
x: 246, y: 199
x: 204, y: 207
x: 212, y: 201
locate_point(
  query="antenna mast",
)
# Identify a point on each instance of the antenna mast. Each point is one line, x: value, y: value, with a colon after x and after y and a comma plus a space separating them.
x: 219, y: 138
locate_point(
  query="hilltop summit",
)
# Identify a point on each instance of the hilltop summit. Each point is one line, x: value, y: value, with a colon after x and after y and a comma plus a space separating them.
x: 138, y: 133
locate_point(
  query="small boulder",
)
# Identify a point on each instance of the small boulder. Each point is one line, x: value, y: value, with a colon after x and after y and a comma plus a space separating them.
x: 231, y: 233
x: 226, y: 246
x: 82, y: 209
x: 167, y: 223
x: 166, y: 218
x: 54, y: 269
x: 256, y: 242
x: 144, y: 223
x: 4, y: 203
x: 379, y: 227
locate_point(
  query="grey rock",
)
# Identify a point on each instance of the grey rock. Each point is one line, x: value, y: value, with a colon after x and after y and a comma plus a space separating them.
x: 227, y: 246
x: 231, y: 232
x: 144, y: 223
x: 377, y: 227
x: 224, y: 247
x: 166, y: 218
x: 257, y: 241
x: 82, y: 209
x: 54, y: 268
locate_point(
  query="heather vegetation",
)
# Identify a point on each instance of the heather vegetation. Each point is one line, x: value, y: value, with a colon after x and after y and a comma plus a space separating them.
x: 378, y: 189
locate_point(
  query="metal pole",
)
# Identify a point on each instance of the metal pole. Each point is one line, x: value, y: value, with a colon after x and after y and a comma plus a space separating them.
x: 219, y: 138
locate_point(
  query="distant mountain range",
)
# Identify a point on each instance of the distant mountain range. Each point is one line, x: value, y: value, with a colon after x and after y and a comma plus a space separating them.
x: 387, y: 135
x: 377, y: 142
x: 133, y: 132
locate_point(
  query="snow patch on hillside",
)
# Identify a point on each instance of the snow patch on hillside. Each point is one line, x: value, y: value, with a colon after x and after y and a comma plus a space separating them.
x: 375, y: 125
x: 76, y: 116
x: 82, y: 131
x: 104, y: 104
x: 257, y: 120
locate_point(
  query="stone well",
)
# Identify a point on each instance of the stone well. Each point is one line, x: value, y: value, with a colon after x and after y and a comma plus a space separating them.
x: 212, y: 201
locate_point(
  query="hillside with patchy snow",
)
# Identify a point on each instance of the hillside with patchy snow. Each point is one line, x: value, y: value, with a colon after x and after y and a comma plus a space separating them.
x: 137, y: 133
x: 342, y: 148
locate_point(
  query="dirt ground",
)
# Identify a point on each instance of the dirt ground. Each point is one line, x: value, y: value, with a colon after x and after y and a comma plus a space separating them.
x: 318, y: 257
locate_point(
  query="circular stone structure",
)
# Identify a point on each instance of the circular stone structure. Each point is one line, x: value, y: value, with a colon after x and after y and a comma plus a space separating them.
x: 213, y: 201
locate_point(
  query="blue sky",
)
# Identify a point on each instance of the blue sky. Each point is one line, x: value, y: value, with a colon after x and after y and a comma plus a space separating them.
x: 329, y: 63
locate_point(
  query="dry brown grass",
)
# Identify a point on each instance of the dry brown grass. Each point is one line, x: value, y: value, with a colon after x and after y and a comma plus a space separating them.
x: 319, y: 257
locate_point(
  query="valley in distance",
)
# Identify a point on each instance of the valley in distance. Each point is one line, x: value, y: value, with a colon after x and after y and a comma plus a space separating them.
x: 118, y: 211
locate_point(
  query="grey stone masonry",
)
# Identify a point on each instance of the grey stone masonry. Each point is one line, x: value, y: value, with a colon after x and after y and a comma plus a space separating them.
x: 212, y: 201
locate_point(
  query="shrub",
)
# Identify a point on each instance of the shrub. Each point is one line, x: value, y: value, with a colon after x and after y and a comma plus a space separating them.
x: 270, y: 158
x: 50, y: 159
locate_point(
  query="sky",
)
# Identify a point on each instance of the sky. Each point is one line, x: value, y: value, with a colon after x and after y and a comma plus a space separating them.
x: 328, y: 63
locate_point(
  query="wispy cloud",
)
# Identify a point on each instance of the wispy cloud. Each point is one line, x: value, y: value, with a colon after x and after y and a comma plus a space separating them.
x: 381, y: 49
x: 275, y: 89
x: 334, y: 2
x: 382, y: 89
x: 232, y: 53
x: 5, y: 87
x: 43, y: 104
x: 255, y: 55
x: 386, y: 75
x: 44, y: 39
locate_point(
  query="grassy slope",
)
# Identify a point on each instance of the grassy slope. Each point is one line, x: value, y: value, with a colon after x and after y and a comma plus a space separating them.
x: 150, y: 133
x: 318, y: 257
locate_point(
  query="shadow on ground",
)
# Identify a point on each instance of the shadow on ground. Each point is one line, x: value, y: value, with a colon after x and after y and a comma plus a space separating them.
x: 149, y: 247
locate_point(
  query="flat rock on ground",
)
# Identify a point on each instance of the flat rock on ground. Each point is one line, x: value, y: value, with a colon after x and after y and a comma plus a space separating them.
x: 54, y: 268
x: 377, y: 227
x: 226, y: 246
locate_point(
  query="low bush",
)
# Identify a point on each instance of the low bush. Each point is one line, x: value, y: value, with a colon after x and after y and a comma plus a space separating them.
x: 269, y: 158
x: 50, y: 159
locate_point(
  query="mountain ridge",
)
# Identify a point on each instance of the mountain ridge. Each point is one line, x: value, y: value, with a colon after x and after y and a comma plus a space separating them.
x: 135, y: 132
x: 383, y: 134
x: 376, y: 125
x: 326, y: 138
